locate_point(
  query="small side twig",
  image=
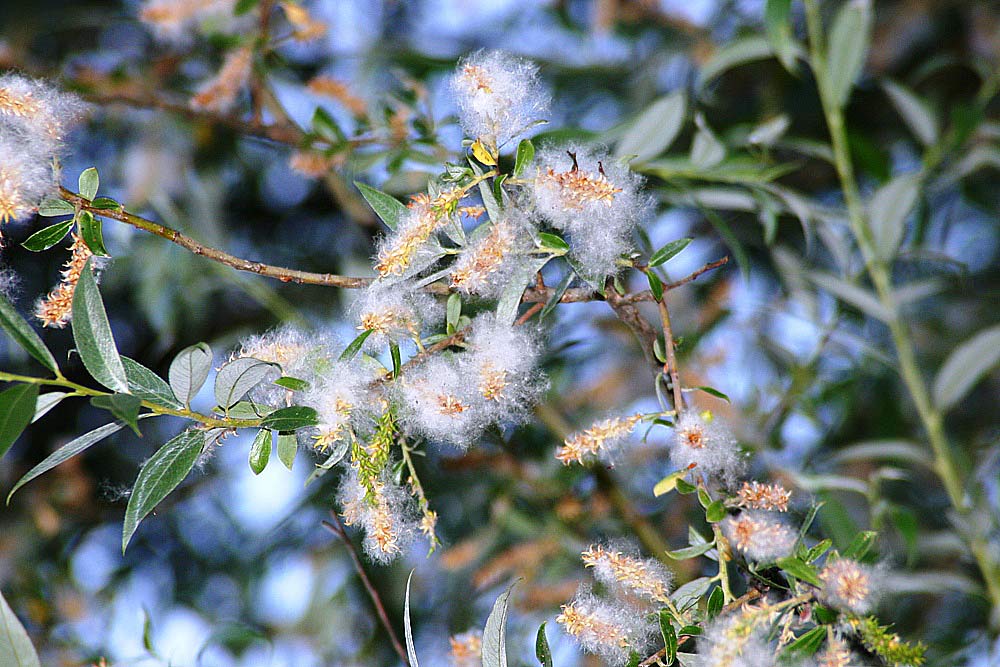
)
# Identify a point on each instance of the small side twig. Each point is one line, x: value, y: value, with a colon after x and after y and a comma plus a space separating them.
x: 671, y: 365
x: 337, y: 528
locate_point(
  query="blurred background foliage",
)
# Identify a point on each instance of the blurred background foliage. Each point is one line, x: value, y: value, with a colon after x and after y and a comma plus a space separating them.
x: 236, y: 570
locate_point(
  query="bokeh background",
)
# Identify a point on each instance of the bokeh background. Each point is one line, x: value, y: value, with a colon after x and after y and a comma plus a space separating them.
x: 236, y: 570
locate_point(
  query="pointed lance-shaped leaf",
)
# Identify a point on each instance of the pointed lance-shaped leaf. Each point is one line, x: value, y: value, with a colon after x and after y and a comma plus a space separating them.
x: 17, y: 407
x: 22, y: 333
x: 92, y: 334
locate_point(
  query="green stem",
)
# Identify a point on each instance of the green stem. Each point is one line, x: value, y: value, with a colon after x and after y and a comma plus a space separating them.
x: 945, y: 463
x: 722, y: 547
x: 81, y: 390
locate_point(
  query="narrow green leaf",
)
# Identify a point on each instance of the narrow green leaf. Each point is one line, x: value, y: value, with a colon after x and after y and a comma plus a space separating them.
x: 290, y: 418
x: 669, y: 637
x: 711, y: 391
x: 51, y: 208
x: 22, y: 333
x: 397, y: 362
x: 189, y: 370
x: 90, y: 231
x: 542, y: 651
x: 965, y: 366
x: 15, y: 645
x: 715, y: 602
x: 239, y: 376
x: 411, y: 651
x: 295, y: 384
x: 510, y: 298
x: 159, y: 476
x: 860, y: 545
x: 669, y: 483
x: 260, y: 451
x: 818, y: 550
x: 287, y: 449
x: 807, y: 643
x: 89, y: 183
x: 46, y: 402
x: 454, y: 311
x: 706, y: 149
x: 326, y: 127
x: 691, y: 552
x: 779, y: 31
x: 848, y: 48
x: 17, y: 407
x: 525, y: 154
x: 355, y: 346
x: 553, y: 242
x: 669, y: 251
x: 654, y: 129
x: 655, y: 285
x: 557, y: 295
x: 47, y: 237
x: 93, y: 337
x: 66, y: 452
x: 123, y: 406
x: 148, y: 386
x: 887, y: 212
x: 735, y: 53
x: 495, y: 632
x: 388, y: 208
x: 799, y: 569
x: 915, y: 112
x: 851, y: 294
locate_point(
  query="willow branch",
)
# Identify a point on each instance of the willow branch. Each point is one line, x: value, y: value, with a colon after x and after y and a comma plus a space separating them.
x: 337, y: 529
x: 671, y: 365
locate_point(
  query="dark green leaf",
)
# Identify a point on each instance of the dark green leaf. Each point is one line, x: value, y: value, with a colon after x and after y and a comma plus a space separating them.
x: 244, y: 6
x: 355, y: 345
x: 159, y: 476
x: 807, y: 643
x: 667, y: 252
x: 553, y: 242
x: 66, y: 452
x: 239, y: 376
x: 147, y: 385
x: 326, y: 127
x: 779, y: 31
x: 715, y: 602
x: 815, y: 552
x: 655, y: 285
x: 90, y: 231
x: 715, y: 512
x: 22, y: 333
x: 387, y: 207
x: 860, y: 545
x: 690, y: 631
x: 295, y: 384
x: 397, y: 362
x: 525, y: 154
x: 17, y: 407
x: 713, y: 392
x: 260, y: 451
x: 685, y: 487
x: 93, y: 337
x: 848, y: 48
x: 557, y: 295
x: 288, y: 447
x: 669, y: 637
x: 106, y: 204
x: 51, y: 208
x: 15, y: 646
x: 123, y: 406
x: 89, y: 182
x: 799, y: 569
x: 290, y: 418
x: 189, y: 370
x: 691, y: 552
x: 542, y: 651
x: 47, y: 237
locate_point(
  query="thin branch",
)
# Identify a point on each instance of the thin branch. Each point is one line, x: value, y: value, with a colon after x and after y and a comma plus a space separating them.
x: 662, y: 653
x: 339, y: 530
x: 671, y: 365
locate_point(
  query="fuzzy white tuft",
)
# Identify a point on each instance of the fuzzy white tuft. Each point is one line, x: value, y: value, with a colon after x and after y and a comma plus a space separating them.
x: 760, y: 536
x: 394, y: 313
x: 388, y: 515
x: 709, y: 445
x: 609, y: 629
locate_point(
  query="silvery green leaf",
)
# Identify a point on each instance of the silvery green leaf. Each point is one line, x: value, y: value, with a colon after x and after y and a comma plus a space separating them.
x: 654, y: 129
x: 965, y: 366
x: 46, y: 402
x: 858, y: 297
x: 888, y: 210
x: 411, y: 652
x: 239, y: 376
x: 92, y: 334
x: 15, y: 646
x: 89, y: 183
x: 915, y: 112
x: 706, y: 150
x: 848, y: 48
x: 22, y: 333
x: 189, y: 370
x: 147, y: 385
x: 495, y: 632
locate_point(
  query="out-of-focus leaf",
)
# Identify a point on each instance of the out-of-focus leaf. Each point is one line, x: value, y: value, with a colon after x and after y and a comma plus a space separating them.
x: 654, y: 129
x: 893, y: 450
x: 851, y: 294
x: 735, y: 53
x: 22, y: 333
x: 706, y: 149
x: 15, y: 646
x: 915, y: 112
x: 964, y: 367
x: 779, y: 31
x: 93, y: 337
x: 47, y: 237
x: 189, y: 370
x: 159, y: 476
x: 386, y: 207
x: 887, y: 212
x: 848, y: 48
x: 495, y: 632
x: 17, y: 407
x: 860, y: 545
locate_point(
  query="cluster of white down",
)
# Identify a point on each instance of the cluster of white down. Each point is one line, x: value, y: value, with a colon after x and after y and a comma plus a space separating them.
x: 708, y: 445
x: 498, y: 96
x: 609, y: 628
x: 34, y: 121
x: 596, y: 200
x: 734, y: 641
x: 453, y: 398
x: 394, y: 313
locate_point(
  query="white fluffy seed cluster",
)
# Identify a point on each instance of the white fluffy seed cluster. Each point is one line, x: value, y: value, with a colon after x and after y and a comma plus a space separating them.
x: 848, y: 585
x: 393, y: 314
x: 735, y: 641
x: 499, y: 96
x: 386, y: 511
x: 493, y: 256
x: 597, y: 201
x: 762, y: 537
x: 34, y: 121
x: 619, y: 566
x: 611, y: 629
x: 452, y: 398
x: 707, y: 444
